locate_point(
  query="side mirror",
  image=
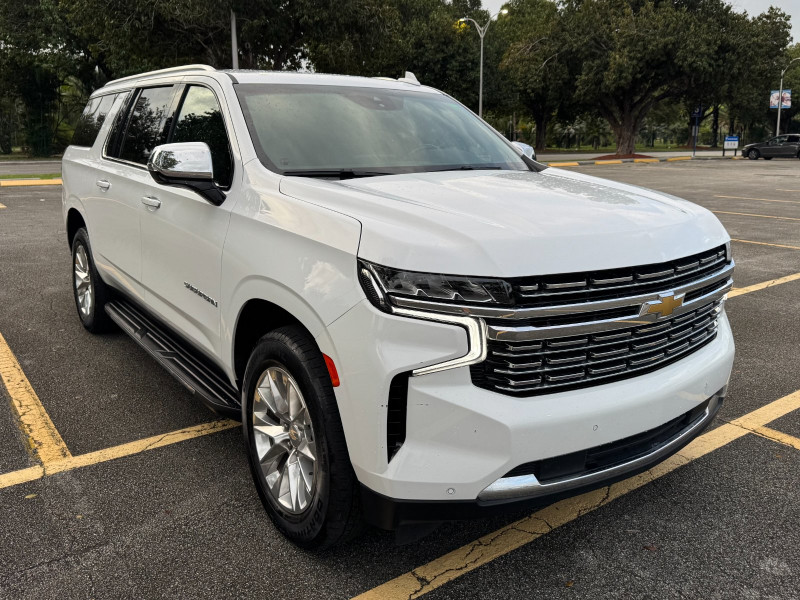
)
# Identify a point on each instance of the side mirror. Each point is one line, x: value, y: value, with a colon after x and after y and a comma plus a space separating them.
x: 186, y: 164
x: 525, y: 150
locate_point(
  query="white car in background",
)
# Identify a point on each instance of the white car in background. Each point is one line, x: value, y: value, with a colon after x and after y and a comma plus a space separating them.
x: 414, y: 321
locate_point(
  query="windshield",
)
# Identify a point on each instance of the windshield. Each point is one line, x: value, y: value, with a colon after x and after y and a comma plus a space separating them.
x: 329, y: 130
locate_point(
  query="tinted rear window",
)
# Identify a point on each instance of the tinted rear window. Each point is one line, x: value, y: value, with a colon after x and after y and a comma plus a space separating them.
x: 146, y: 128
x: 92, y: 119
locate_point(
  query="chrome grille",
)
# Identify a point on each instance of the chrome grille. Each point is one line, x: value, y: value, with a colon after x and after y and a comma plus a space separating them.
x: 592, y: 286
x: 556, y: 364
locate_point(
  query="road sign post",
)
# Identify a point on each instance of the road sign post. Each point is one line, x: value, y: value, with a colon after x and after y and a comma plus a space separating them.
x: 696, y: 114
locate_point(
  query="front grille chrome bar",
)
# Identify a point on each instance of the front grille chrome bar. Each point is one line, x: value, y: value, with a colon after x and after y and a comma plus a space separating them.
x: 518, y: 314
x: 509, y: 333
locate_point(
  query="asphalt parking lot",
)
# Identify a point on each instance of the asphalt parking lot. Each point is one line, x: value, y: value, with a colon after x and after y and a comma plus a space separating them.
x: 145, y: 493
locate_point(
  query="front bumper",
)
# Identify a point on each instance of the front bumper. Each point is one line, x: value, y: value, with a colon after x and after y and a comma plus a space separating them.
x: 461, y: 439
x: 392, y: 514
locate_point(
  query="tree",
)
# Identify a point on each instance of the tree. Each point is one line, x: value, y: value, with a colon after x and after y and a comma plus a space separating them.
x: 536, y: 61
x: 755, y: 73
x: 633, y: 54
x: 372, y: 37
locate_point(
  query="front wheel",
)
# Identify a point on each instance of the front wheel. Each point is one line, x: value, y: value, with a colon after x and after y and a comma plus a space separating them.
x: 295, y: 441
x: 753, y: 154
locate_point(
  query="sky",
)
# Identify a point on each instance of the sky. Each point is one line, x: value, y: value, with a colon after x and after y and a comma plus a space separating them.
x: 753, y: 7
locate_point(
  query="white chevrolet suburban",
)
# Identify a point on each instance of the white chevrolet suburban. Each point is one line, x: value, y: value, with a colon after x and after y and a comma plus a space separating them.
x: 414, y: 320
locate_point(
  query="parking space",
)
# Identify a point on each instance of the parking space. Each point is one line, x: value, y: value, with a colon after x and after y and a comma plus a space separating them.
x: 153, y: 497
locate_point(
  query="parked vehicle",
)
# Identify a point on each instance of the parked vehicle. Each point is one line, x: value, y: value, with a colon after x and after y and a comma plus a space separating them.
x: 414, y: 321
x: 782, y: 146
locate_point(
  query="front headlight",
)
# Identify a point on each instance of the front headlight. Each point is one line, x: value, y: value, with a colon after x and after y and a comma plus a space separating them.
x: 382, y: 284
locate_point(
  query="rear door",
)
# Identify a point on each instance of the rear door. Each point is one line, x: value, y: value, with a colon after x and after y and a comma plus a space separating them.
x: 182, y: 239
x: 86, y: 177
x: 792, y: 146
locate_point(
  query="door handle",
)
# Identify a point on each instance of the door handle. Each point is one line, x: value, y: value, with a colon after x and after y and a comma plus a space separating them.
x: 151, y: 201
x: 103, y: 184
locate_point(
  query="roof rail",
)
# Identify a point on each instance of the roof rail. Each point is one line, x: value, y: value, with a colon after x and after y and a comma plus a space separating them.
x: 164, y: 72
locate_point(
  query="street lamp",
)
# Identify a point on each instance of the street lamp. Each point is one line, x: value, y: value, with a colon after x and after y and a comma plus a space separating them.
x: 780, y: 95
x: 482, y: 32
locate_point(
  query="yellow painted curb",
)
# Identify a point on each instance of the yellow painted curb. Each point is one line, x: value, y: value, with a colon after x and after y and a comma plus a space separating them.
x: 564, y: 164
x: 646, y: 160
x: 608, y: 162
x: 674, y: 158
x: 27, y: 182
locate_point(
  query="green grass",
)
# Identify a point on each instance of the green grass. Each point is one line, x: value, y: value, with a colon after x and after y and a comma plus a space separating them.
x: 32, y: 176
x: 17, y: 154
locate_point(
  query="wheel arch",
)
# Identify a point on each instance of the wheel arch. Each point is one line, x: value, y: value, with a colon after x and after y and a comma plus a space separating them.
x: 255, y: 318
x: 75, y: 221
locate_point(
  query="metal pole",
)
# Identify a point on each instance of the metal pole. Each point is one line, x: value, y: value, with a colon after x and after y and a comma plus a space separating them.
x: 780, y: 103
x: 480, y: 87
x: 234, y: 42
x: 696, y: 131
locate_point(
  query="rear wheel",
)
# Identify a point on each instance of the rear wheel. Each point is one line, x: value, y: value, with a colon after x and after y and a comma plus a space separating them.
x: 753, y: 154
x: 295, y: 441
x: 89, y: 291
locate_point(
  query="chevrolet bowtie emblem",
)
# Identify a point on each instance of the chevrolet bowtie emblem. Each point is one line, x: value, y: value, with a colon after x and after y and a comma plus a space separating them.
x: 665, y: 304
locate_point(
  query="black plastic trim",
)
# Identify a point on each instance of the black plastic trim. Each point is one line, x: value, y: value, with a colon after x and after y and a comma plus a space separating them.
x: 397, y: 413
x: 178, y: 357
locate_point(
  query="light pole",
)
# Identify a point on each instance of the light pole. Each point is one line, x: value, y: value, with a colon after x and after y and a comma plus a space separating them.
x: 482, y: 32
x: 780, y: 96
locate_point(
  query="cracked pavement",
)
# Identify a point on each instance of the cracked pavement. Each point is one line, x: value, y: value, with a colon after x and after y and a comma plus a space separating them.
x: 184, y: 519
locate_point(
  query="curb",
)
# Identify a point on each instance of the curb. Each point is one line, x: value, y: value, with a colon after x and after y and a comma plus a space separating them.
x: 27, y: 182
x: 619, y: 161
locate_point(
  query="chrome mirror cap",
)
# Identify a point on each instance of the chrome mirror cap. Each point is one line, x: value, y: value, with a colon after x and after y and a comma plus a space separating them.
x: 525, y: 149
x: 186, y: 160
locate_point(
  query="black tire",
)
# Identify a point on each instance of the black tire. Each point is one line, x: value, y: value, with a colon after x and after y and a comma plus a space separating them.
x: 94, y: 317
x: 753, y: 154
x: 333, y: 513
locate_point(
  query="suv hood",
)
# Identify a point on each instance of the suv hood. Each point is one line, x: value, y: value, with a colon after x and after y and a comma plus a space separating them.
x: 512, y: 223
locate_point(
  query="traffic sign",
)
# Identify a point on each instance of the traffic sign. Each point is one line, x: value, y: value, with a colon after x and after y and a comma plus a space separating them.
x: 731, y: 142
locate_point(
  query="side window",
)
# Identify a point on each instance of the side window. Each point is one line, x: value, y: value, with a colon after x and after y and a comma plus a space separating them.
x: 92, y: 120
x: 794, y: 139
x: 147, y: 125
x: 200, y: 120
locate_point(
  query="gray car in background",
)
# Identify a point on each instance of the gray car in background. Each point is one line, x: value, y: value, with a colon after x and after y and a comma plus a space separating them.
x: 782, y: 146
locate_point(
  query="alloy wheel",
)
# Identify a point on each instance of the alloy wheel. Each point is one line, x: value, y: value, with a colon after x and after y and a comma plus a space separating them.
x: 284, y: 440
x: 83, y: 281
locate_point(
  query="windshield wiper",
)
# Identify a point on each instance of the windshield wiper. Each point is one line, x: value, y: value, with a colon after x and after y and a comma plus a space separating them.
x: 464, y: 168
x: 337, y: 173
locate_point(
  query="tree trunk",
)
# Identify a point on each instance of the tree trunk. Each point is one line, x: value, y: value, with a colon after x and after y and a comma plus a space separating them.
x: 715, y: 128
x: 541, y: 133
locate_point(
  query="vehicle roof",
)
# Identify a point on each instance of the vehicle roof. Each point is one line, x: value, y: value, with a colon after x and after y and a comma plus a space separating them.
x: 253, y: 76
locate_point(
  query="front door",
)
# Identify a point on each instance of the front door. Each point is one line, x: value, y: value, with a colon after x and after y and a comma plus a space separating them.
x: 774, y: 147
x: 182, y: 239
